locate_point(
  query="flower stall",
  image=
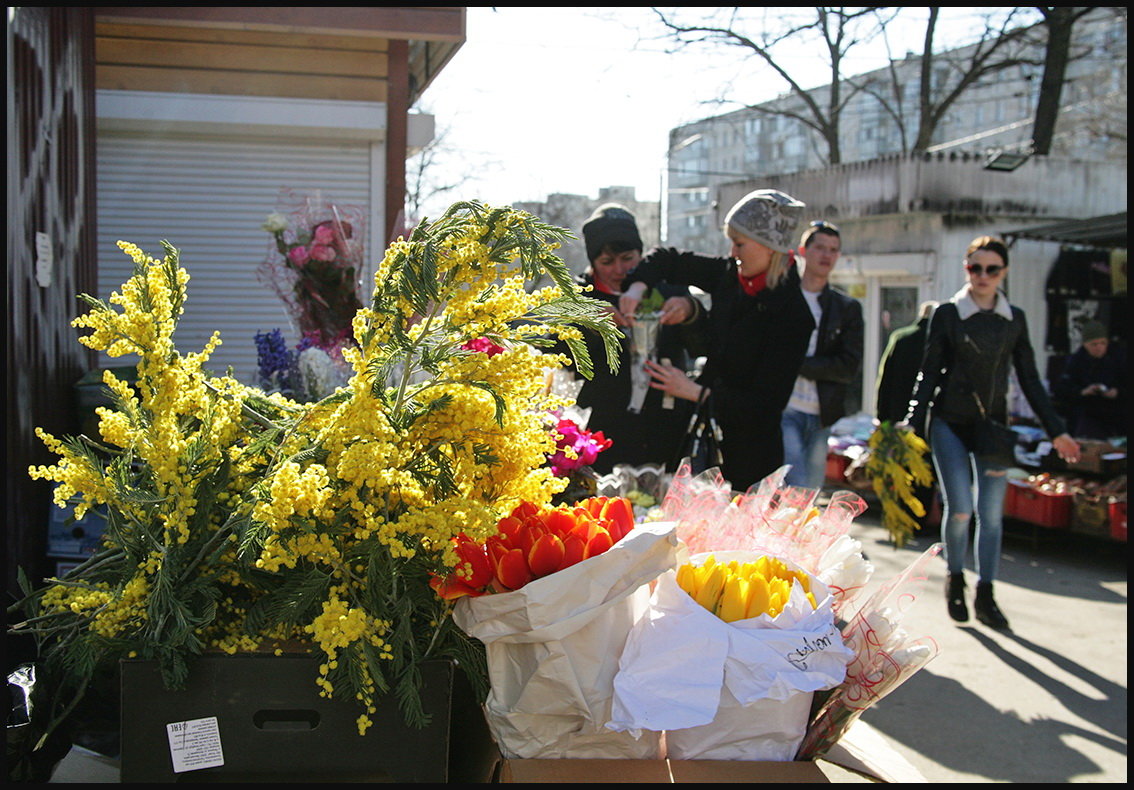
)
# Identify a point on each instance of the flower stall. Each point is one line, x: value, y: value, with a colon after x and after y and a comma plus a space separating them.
x: 376, y: 584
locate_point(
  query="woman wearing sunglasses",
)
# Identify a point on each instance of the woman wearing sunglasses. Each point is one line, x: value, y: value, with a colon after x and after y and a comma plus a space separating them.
x: 973, y: 340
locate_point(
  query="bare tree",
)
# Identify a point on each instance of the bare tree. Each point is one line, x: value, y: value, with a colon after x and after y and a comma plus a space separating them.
x: 997, y: 42
x: 432, y: 174
x: 1059, y: 21
x: 944, y: 77
x: 838, y: 30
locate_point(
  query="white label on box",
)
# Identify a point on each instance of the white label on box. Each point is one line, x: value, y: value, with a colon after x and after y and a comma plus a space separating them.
x: 195, y: 744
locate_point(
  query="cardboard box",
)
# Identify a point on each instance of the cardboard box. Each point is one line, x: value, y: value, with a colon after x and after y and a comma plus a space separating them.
x: 263, y: 716
x: 1090, y: 515
x: 862, y: 755
x: 657, y: 771
x: 1035, y: 506
x: 1095, y: 457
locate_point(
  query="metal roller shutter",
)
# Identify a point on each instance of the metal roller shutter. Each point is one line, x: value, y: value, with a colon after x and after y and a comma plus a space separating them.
x: 208, y: 196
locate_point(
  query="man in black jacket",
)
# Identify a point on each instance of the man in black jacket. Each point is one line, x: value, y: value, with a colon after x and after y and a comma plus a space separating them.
x: 834, y: 359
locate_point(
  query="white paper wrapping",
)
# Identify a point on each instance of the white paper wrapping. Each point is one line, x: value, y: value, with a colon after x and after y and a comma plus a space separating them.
x: 553, y: 649
x: 728, y: 691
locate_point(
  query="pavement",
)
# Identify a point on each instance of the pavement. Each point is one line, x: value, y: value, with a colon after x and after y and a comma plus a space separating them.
x: 1044, y: 702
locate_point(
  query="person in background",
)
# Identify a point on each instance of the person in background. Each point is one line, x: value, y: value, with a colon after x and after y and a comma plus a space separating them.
x: 899, y: 366
x: 650, y: 433
x: 759, y: 325
x: 1093, y: 386
x: 897, y: 376
x: 974, y: 339
x: 834, y: 359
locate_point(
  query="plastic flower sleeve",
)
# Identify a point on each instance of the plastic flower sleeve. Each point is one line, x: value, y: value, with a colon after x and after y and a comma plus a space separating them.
x: 553, y: 648
x: 643, y: 344
x: 885, y: 656
x: 845, y: 571
x: 774, y: 519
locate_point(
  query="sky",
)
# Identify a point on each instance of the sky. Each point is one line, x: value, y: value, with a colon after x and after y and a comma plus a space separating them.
x: 543, y: 100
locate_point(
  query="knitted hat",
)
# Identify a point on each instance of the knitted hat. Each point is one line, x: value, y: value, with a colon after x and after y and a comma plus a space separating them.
x: 767, y: 216
x: 610, y: 222
x: 1093, y: 330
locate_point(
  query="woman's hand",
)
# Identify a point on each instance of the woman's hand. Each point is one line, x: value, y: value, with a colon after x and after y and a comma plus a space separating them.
x: 1067, y: 448
x: 630, y: 299
x: 676, y: 310
x: 673, y: 381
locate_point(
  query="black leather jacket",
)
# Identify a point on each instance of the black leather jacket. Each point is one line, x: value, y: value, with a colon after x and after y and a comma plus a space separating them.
x: 838, y: 353
x: 971, y: 357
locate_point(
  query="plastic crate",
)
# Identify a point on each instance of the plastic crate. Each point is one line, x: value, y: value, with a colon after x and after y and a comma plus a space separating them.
x: 1118, y: 520
x: 837, y: 467
x: 1042, y: 508
x: 260, y: 718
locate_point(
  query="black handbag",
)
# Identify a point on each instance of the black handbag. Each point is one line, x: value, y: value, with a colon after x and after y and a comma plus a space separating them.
x: 995, y: 442
x: 701, y: 444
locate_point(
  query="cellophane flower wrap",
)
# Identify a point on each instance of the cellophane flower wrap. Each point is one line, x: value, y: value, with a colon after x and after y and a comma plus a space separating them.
x: 314, y: 265
x: 240, y: 521
x: 886, y: 654
x: 553, y: 642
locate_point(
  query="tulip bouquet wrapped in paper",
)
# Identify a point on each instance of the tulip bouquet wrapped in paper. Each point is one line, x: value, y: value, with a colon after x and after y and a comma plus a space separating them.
x: 553, y: 596
x: 728, y: 657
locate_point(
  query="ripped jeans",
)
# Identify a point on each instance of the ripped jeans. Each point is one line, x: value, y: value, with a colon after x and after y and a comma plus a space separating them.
x: 956, y: 468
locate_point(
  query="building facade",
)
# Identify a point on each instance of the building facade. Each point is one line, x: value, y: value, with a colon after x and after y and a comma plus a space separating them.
x: 571, y: 211
x: 995, y: 113
x: 906, y: 218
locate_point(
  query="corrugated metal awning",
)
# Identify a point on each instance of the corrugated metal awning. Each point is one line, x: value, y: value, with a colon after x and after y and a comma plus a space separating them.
x: 1105, y: 231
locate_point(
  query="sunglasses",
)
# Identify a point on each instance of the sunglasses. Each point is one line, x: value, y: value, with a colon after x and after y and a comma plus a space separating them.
x: 991, y: 270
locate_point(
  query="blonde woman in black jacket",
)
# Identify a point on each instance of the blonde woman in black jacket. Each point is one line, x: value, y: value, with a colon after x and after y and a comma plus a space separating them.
x: 973, y: 340
x: 759, y: 327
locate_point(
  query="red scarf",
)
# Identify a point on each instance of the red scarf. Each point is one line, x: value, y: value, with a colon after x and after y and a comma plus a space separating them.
x: 752, y: 285
x: 602, y: 288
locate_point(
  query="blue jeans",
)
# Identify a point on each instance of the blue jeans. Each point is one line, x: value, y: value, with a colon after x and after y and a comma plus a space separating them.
x: 957, y: 469
x: 805, y: 448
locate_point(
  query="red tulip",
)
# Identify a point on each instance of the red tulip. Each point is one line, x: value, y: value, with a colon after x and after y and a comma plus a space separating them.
x: 574, y: 548
x: 512, y: 570
x: 600, y: 542
x: 560, y: 521
x: 450, y: 588
x: 546, y: 556
x: 478, y: 574
x: 619, y: 511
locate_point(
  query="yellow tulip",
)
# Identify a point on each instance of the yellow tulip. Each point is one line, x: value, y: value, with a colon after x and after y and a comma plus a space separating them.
x: 733, y: 597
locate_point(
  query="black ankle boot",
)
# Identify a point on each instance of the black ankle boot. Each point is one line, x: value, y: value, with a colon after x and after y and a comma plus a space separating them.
x: 955, y: 597
x: 986, y: 609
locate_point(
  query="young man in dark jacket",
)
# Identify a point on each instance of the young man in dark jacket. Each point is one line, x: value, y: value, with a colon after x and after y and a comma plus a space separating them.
x: 834, y: 359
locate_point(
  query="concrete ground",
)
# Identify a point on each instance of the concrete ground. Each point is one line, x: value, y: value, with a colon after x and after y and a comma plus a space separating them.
x: 1045, y: 702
